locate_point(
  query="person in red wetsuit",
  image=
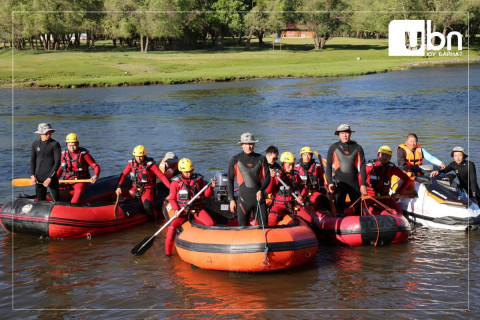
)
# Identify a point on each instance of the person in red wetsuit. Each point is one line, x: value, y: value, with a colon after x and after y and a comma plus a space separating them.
x: 184, y: 186
x: 284, y: 198
x: 380, y: 172
x: 348, y: 160
x: 143, y: 172
x: 312, y: 175
x: 74, y: 165
x: 252, y: 173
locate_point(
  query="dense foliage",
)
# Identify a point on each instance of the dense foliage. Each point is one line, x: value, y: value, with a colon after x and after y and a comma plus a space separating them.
x: 189, y: 24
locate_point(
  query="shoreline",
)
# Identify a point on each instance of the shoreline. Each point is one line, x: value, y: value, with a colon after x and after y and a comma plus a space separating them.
x: 99, y: 68
x: 404, y: 67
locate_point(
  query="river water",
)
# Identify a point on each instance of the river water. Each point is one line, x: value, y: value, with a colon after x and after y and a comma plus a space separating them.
x: 434, y: 275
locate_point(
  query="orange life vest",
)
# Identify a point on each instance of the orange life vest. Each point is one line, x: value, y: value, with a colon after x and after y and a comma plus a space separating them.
x: 412, y: 158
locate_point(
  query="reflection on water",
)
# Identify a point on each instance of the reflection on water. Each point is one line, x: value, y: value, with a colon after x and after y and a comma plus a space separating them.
x: 203, y: 122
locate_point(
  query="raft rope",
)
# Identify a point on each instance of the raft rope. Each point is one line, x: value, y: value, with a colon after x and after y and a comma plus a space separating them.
x: 265, y: 263
x: 364, y: 204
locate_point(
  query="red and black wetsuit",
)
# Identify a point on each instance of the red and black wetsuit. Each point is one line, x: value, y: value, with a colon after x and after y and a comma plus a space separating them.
x: 467, y: 176
x: 283, y: 199
x: 253, y: 174
x: 75, y: 166
x: 181, y: 191
x: 379, y: 177
x: 348, y: 160
x: 143, y: 177
x: 44, y: 163
x: 312, y: 174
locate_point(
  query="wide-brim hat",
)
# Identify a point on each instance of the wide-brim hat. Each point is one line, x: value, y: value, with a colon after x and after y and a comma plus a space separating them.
x: 44, y: 128
x: 247, y: 137
x: 342, y: 128
x: 458, y: 149
x: 171, y: 157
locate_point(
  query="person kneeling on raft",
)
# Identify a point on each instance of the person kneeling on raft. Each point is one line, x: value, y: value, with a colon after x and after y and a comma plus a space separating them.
x: 183, y: 188
x: 74, y: 165
x: 312, y: 175
x: 283, y: 197
x: 143, y: 172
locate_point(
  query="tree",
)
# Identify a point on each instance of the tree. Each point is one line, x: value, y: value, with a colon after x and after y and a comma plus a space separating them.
x: 229, y: 19
x: 323, y: 18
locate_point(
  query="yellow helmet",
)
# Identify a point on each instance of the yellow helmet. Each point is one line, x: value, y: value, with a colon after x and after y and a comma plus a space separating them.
x: 139, y: 151
x: 185, y: 165
x: 287, y: 157
x: 306, y: 149
x: 71, y: 137
x: 386, y: 150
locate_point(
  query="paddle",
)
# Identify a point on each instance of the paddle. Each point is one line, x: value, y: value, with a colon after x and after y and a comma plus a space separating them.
x: 329, y: 194
x: 25, y: 182
x: 288, y: 188
x: 116, y: 206
x: 146, y: 243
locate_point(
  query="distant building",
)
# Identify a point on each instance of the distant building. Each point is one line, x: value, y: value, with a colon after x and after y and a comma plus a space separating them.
x: 292, y: 31
x: 83, y: 37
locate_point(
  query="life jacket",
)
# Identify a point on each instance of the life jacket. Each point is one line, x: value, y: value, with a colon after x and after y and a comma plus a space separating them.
x: 284, y: 195
x: 75, y: 167
x: 309, y: 176
x: 412, y: 158
x: 186, y: 192
x: 140, y: 173
x: 379, y: 178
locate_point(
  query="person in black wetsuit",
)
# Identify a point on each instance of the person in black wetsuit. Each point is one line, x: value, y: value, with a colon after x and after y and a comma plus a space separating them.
x: 465, y: 171
x: 45, y: 159
x: 251, y: 172
x: 348, y: 160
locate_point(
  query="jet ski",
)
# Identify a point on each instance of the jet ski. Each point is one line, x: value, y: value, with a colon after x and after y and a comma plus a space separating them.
x: 440, y: 203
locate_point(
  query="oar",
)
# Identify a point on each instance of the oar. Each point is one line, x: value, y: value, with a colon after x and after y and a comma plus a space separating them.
x: 288, y: 188
x: 25, y: 182
x: 146, y: 243
x: 329, y: 194
x: 116, y: 206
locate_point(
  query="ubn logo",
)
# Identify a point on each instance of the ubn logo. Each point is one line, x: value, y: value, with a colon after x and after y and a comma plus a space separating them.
x: 403, y: 38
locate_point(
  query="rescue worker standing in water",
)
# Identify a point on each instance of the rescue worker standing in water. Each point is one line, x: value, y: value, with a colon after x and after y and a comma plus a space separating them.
x: 74, y: 165
x: 183, y: 188
x: 252, y: 173
x: 287, y: 199
x: 312, y: 175
x: 348, y: 160
x: 143, y: 172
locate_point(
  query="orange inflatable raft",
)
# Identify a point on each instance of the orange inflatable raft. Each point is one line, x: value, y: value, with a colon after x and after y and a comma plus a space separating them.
x: 246, y: 249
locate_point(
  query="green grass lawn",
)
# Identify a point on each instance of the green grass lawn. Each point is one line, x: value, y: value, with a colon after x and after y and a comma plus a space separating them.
x: 108, y: 66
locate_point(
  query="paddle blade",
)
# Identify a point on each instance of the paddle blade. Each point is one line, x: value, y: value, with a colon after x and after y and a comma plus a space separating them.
x: 143, y: 246
x: 22, y: 182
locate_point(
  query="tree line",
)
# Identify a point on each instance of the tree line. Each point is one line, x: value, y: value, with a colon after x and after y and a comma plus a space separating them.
x: 194, y: 24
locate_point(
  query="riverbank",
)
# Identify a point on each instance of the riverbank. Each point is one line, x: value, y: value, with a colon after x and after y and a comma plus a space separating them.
x: 105, y: 67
